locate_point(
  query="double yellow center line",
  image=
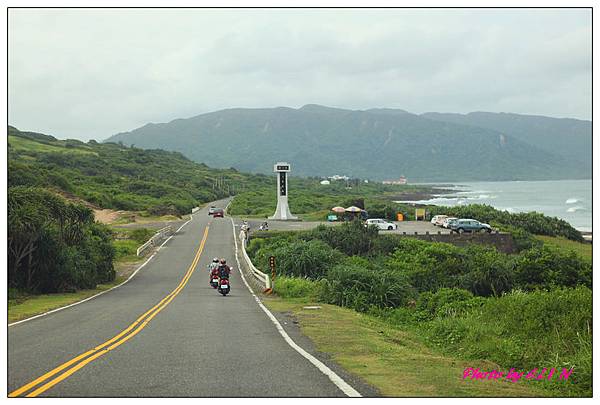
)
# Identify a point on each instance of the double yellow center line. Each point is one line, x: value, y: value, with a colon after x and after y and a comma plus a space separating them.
x: 80, y: 361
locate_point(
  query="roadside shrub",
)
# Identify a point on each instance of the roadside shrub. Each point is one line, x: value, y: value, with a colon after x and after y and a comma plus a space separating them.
x: 351, y: 238
x: 547, y: 267
x: 162, y: 209
x: 430, y: 303
x: 385, y: 245
x: 297, y: 287
x: 522, y: 239
x: 428, y: 266
x: 125, y: 247
x: 300, y: 258
x: 141, y: 235
x: 355, y: 286
x: 489, y: 272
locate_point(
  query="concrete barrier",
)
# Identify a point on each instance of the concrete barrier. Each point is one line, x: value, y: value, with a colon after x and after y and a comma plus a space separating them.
x: 263, y: 278
x: 158, y: 237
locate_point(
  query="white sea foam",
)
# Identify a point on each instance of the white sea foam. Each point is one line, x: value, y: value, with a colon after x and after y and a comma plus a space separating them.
x: 576, y: 208
x: 572, y: 201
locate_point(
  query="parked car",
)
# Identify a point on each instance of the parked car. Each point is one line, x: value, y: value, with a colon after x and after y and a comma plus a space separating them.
x: 381, y: 224
x: 469, y: 225
x: 446, y: 223
x: 211, y: 210
x: 217, y: 213
x: 438, y: 219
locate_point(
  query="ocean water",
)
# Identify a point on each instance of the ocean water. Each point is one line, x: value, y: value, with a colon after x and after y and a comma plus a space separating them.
x: 570, y: 200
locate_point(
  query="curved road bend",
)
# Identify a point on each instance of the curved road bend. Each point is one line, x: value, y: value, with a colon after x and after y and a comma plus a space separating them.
x: 195, y: 343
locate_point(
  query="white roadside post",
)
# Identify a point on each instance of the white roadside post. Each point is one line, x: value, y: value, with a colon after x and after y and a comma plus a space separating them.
x: 282, y: 213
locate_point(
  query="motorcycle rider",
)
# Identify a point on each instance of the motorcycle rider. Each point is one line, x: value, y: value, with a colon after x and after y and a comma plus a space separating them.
x: 224, y: 269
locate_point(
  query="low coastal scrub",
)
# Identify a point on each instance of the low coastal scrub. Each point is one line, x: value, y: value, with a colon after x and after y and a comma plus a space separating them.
x: 531, y: 309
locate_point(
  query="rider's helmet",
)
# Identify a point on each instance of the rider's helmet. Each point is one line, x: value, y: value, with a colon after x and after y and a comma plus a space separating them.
x: 222, y: 261
x: 216, y: 260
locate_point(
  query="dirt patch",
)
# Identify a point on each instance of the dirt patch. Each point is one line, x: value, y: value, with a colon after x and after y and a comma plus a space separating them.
x: 106, y: 216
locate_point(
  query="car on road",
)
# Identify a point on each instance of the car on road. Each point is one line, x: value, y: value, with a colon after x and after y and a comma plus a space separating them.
x: 211, y: 210
x: 438, y: 219
x: 446, y: 222
x: 217, y: 213
x: 469, y: 225
x: 381, y: 224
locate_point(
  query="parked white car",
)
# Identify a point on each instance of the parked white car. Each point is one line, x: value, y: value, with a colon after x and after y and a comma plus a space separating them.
x: 381, y: 224
x: 447, y: 221
x: 437, y: 220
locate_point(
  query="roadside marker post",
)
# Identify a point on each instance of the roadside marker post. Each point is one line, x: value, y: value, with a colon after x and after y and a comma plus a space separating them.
x: 272, y: 266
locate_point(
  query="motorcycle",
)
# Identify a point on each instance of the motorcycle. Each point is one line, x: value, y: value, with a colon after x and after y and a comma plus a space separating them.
x: 214, y: 278
x: 224, y: 286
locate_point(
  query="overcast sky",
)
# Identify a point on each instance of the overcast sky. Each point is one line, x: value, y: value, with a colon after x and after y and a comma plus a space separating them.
x: 92, y: 73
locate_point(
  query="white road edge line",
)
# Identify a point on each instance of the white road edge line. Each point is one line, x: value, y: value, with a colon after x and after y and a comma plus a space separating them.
x: 103, y: 292
x: 336, y: 379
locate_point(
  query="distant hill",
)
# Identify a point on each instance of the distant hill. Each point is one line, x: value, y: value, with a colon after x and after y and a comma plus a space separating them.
x: 566, y: 137
x: 109, y: 175
x: 376, y: 144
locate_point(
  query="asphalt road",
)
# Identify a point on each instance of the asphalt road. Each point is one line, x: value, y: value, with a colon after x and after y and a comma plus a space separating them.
x: 199, y: 345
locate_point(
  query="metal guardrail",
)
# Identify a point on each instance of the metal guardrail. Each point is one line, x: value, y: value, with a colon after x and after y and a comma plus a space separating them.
x: 154, y: 240
x: 259, y: 275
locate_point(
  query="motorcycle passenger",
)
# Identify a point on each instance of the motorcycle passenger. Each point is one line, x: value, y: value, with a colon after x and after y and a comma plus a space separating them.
x: 214, y: 264
x: 212, y: 269
x: 224, y: 269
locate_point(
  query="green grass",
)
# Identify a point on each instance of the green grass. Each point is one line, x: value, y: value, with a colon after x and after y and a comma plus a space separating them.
x: 126, y: 250
x: 27, y: 306
x: 394, y: 361
x: 23, y: 144
x: 583, y: 249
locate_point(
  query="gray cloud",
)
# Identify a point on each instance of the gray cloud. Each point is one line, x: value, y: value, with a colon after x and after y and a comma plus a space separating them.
x: 89, y: 73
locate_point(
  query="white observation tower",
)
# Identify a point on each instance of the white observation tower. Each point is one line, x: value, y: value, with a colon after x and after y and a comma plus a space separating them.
x: 282, y: 212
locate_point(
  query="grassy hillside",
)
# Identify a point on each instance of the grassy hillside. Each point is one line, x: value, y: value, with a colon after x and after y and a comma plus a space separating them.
x: 375, y: 144
x: 113, y: 176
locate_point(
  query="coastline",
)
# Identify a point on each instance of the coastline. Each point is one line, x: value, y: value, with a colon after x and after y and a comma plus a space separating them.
x: 569, y: 200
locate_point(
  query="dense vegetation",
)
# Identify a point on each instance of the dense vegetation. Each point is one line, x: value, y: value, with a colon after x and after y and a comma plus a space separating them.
x: 375, y: 144
x: 113, y: 176
x: 531, y: 309
x: 54, y: 245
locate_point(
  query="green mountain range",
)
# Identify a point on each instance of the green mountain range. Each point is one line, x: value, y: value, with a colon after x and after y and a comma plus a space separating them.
x: 378, y: 143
